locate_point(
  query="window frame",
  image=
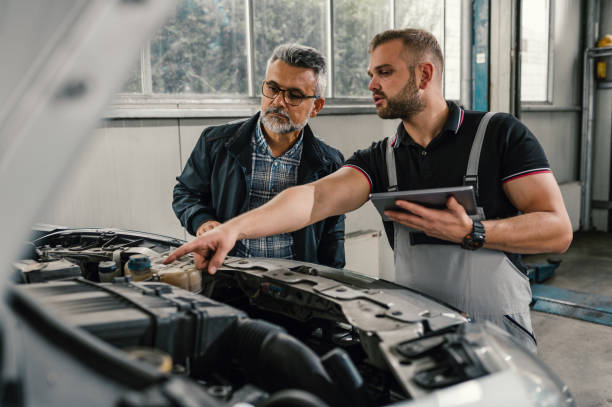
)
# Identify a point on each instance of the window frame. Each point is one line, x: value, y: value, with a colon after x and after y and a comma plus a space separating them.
x: 147, y: 104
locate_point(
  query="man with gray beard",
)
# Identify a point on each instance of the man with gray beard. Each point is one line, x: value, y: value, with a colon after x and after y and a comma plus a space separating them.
x: 470, y: 263
x: 241, y: 165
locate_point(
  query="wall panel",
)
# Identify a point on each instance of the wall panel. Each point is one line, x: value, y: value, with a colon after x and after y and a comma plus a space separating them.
x: 124, y: 179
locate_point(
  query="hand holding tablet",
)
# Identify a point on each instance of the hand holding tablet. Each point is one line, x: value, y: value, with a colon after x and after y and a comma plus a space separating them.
x: 432, y: 198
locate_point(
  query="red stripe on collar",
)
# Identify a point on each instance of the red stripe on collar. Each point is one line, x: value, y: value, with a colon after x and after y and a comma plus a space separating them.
x: 460, y: 121
x: 394, y: 140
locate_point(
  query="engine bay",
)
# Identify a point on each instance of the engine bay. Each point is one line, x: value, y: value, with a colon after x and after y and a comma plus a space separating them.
x: 260, y: 331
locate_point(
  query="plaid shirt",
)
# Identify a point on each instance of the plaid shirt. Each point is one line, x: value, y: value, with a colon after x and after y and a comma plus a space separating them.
x: 271, y: 175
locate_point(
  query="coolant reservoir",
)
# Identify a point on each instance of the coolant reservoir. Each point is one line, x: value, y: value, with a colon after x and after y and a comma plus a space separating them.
x: 186, y: 277
x: 180, y: 274
x: 176, y: 277
x: 138, y: 267
x: 195, y: 280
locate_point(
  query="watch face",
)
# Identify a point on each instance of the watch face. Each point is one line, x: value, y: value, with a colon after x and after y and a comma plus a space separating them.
x: 472, y: 242
x: 476, y: 239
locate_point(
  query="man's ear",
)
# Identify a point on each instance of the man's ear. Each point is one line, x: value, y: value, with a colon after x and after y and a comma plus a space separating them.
x: 426, y: 70
x: 318, y: 105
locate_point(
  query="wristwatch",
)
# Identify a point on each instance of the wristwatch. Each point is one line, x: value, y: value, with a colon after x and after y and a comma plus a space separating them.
x: 475, y: 239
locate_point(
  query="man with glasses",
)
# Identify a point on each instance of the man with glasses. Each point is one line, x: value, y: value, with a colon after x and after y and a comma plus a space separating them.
x: 241, y: 165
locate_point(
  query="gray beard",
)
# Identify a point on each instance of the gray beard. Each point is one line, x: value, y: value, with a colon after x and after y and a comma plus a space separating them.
x: 280, y: 126
x: 407, y: 104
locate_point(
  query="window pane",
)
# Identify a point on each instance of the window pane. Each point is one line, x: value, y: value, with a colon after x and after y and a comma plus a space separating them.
x: 284, y: 21
x: 534, y: 50
x: 133, y: 84
x: 418, y: 14
x: 202, y: 49
x: 445, y: 25
x: 355, y: 23
x: 452, y: 50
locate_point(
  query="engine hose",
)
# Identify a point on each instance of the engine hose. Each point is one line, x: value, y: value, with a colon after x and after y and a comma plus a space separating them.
x: 293, y: 398
x: 276, y: 360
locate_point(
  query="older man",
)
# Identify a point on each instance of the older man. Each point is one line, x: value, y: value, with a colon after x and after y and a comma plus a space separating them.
x: 242, y: 165
x: 471, y: 264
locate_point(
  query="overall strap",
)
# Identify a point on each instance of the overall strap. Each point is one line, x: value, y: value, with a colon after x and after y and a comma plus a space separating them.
x: 471, y: 174
x: 391, y: 170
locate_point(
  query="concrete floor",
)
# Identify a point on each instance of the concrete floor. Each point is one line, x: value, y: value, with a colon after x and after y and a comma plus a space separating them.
x: 580, y: 352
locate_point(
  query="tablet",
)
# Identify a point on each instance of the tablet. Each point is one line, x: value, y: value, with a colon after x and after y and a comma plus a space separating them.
x: 432, y: 198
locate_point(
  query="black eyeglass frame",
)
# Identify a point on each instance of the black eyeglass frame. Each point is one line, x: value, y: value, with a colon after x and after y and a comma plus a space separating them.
x: 284, y: 92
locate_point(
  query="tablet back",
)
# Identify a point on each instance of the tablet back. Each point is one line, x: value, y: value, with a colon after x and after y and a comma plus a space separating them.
x: 432, y: 198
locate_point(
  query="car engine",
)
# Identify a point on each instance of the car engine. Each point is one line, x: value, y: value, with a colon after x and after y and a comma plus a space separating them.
x: 260, y: 332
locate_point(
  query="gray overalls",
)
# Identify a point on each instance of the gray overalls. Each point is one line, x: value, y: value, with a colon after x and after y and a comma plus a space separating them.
x: 483, y: 283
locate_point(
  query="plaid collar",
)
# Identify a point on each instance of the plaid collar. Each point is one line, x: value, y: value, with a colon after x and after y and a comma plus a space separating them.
x: 261, y: 145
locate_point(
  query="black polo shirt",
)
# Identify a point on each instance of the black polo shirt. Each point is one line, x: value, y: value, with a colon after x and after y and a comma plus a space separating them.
x: 509, y: 151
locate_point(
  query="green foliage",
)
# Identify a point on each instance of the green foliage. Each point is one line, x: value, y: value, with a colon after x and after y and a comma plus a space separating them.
x: 355, y: 23
x: 412, y: 14
x: 286, y: 21
x: 202, y: 49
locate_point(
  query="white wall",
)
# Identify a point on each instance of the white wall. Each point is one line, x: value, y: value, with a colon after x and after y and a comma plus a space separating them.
x: 123, y: 179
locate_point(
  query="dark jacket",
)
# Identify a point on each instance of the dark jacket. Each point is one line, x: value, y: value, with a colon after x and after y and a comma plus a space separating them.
x: 216, y: 181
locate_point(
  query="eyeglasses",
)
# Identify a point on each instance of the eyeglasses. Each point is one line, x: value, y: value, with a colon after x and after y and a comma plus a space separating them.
x: 291, y: 96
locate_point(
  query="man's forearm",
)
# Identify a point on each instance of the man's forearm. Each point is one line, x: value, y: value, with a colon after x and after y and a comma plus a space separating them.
x: 300, y: 206
x: 290, y: 210
x: 536, y: 232
x: 544, y: 226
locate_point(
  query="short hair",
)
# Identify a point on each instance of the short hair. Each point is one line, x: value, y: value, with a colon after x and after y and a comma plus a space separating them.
x: 419, y: 41
x: 303, y: 57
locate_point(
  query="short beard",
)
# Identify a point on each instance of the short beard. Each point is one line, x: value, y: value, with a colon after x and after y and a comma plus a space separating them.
x: 280, y: 126
x: 405, y: 105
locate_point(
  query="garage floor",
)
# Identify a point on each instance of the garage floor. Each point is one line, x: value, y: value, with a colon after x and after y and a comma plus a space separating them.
x: 580, y: 352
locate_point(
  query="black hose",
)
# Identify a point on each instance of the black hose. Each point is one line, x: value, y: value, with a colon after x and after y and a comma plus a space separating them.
x: 276, y: 361
x: 293, y: 398
x: 346, y: 376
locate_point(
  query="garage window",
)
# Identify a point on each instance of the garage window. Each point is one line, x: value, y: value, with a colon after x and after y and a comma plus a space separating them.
x: 535, y: 51
x: 217, y: 49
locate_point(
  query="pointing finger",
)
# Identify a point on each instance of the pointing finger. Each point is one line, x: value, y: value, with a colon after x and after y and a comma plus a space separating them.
x: 181, y: 251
